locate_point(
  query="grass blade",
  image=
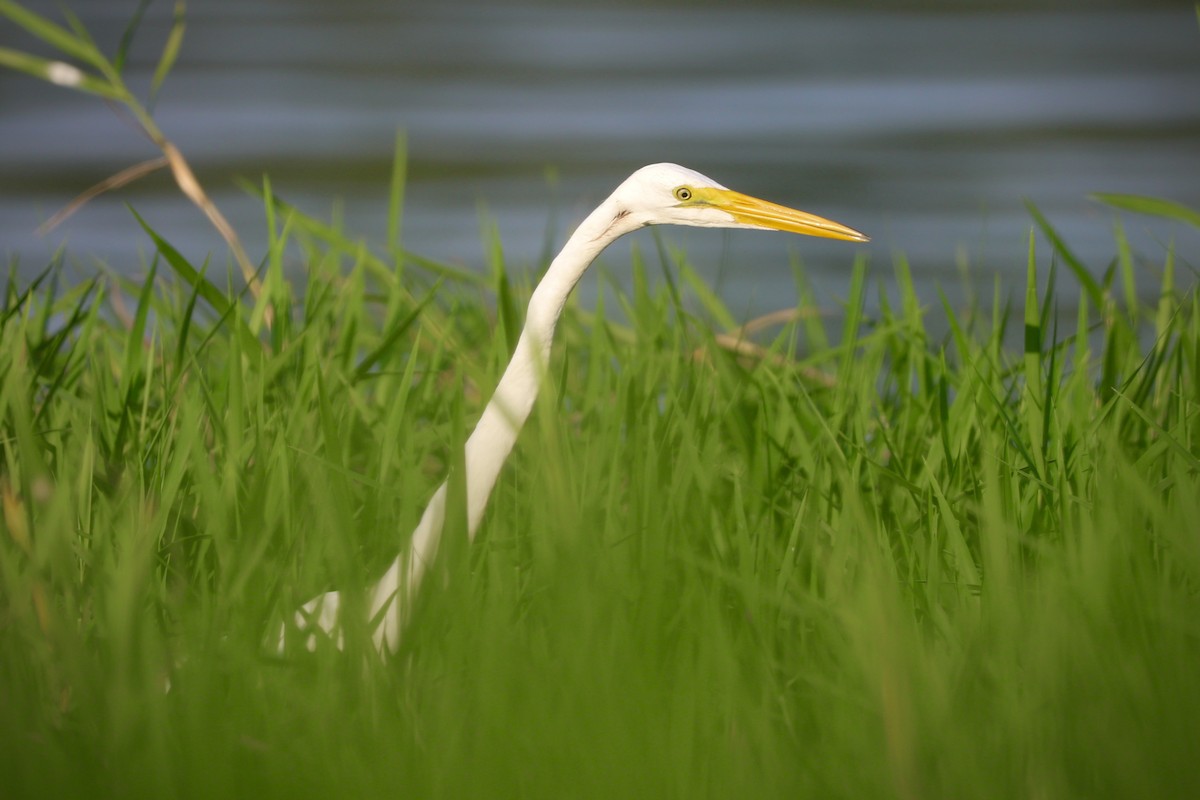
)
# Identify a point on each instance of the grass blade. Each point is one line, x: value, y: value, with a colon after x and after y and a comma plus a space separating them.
x: 1077, y: 267
x: 1154, y: 206
x: 222, y: 304
x: 58, y: 73
x: 127, y: 35
x: 393, y: 335
x: 396, y: 186
x: 170, y: 50
x: 56, y: 36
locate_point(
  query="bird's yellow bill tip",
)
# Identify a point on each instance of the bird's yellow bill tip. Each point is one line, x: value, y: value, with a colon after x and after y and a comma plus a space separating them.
x: 752, y: 211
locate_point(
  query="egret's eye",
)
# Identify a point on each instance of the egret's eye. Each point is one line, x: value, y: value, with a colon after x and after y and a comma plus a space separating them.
x: 683, y: 194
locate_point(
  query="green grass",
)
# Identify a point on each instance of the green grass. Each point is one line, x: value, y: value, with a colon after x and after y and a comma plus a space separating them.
x: 867, y: 563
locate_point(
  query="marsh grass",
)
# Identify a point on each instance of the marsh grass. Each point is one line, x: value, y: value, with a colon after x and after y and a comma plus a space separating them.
x: 863, y: 562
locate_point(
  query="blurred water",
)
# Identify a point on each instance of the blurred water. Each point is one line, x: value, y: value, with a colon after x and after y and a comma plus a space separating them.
x: 926, y: 130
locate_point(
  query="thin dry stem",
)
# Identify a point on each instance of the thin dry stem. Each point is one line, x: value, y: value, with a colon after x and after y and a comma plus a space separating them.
x: 127, y: 175
x: 738, y: 343
x: 188, y: 184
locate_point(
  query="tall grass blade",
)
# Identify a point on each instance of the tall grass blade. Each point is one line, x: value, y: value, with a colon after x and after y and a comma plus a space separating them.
x: 170, y: 50
x: 1155, y: 207
x: 1077, y: 267
x: 393, y: 335
x: 220, y: 302
x: 55, y: 35
x: 396, y: 185
x: 58, y: 73
x: 127, y: 35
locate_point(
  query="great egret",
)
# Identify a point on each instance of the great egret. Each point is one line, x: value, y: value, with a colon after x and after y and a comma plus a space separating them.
x: 658, y: 194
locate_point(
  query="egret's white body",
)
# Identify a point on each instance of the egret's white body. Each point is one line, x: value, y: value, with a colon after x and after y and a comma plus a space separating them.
x: 654, y: 195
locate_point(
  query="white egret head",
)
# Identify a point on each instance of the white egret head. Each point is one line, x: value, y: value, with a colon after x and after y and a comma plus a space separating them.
x: 668, y: 194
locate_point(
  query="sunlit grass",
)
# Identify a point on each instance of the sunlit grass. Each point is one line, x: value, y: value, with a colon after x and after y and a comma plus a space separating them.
x: 860, y: 562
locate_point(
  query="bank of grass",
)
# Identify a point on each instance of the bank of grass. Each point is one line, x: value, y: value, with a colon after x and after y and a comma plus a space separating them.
x: 860, y: 562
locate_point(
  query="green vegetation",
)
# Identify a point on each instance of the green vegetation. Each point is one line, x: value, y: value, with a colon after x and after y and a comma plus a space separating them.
x: 875, y: 564
x: 857, y: 560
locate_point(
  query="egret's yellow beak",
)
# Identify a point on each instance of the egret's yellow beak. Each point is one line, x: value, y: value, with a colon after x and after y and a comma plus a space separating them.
x: 752, y: 211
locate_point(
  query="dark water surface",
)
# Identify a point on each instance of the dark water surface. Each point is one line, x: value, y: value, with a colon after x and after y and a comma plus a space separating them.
x: 926, y: 130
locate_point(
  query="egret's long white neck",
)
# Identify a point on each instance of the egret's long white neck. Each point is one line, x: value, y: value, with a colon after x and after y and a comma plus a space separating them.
x: 492, y: 440
x: 654, y: 194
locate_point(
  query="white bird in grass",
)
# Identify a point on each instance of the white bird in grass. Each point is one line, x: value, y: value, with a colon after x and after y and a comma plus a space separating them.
x: 659, y: 194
